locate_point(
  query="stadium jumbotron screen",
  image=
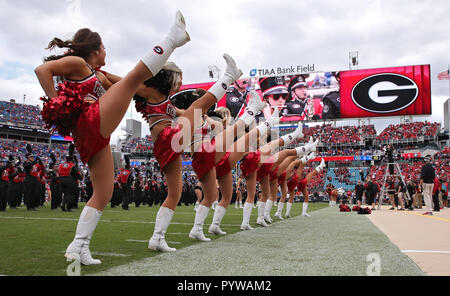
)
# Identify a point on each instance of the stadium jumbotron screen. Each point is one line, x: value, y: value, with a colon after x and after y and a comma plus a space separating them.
x: 395, y: 91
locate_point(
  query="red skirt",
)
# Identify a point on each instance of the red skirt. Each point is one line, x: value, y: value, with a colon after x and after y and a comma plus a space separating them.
x: 263, y: 170
x: 302, y: 184
x: 282, y: 178
x: 163, y: 151
x: 86, y: 134
x: 204, y: 159
x: 250, y: 163
x: 292, y: 183
x: 273, y: 175
x: 223, y: 166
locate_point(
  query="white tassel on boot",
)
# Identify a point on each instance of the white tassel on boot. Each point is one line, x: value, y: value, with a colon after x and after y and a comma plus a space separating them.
x: 214, y: 228
x: 158, y: 242
x: 197, y: 229
x: 79, y: 248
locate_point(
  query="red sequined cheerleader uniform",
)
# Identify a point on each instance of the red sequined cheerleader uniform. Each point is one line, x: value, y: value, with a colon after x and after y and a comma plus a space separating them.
x: 250, y: 163
x: 69, y: 112
x: 273, y: 175
x: 264, y: 169
x: 223, y: 166
x: 203, y: 159
x: 162, y: 147
x: 302, y: 184
x: 282, y: 178
x: 292, y: 183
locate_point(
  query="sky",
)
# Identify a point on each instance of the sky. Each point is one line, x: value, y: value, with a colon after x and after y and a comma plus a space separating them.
x: 257, y: 34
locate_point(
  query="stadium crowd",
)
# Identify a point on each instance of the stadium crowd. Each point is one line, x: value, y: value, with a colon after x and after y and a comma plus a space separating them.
x: 408, y: 130
x: 20, y: 114
x: 146, y: 185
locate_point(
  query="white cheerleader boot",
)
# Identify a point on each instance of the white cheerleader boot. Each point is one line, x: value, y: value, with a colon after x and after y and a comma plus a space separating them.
x: 232, y: 73
x: 260, y: 220
x: 267, y: 210
x: 197, y: 229
x: 279, y: 210
x: 297, y: 134
x: 79, y: 248
x: 248, y: 207
x: 158, y: 56
x: 288, y: 210
x: 305, y: 207
x: 158, y: 242
x: 254, y: 107
x: 214, y: 228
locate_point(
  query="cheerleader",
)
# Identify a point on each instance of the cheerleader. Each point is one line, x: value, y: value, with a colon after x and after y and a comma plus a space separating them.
x: 271, y: 176
x: 256, y: 168
x: 332, y: 194
x: 301, y: 183
x: 198, y: 190
x: 89, y: 107
x: 277, y: 179
x: 169, y: 137
x: 239, y: 192
x: 214, y: 165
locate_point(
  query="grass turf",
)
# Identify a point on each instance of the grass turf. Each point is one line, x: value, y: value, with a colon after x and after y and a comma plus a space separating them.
x: 327, y: 243
x: 33, y: 243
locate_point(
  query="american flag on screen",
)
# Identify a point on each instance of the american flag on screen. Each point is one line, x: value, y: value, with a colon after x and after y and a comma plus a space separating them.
x: 444, y: 75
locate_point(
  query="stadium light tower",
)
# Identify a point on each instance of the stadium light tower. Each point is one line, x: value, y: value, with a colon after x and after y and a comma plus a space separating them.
x: 353, y: 58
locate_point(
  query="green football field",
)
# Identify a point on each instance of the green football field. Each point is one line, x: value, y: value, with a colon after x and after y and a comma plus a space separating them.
x: 327, y: 243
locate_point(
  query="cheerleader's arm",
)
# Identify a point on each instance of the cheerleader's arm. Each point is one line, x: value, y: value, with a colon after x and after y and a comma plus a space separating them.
x: 71, y: 67
x: 108, y: 79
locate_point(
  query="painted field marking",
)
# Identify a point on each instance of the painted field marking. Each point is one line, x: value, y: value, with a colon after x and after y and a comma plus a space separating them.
x: 146, y: 241
x: 106, y: 254
x: 105, y: 220
x: 427, y: 216
x: 425, y: 251
x: 137, y: 241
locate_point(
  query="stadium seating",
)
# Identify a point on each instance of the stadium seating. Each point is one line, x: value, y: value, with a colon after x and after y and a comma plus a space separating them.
x: 20, y: 114
x: 411, y: 130
x: 336, y: 141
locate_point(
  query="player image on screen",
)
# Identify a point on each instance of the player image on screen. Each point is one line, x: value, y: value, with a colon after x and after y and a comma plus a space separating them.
x: 237, y: 97
x: 332, y: 100
x: 274, y: 91
x: 298, y: 93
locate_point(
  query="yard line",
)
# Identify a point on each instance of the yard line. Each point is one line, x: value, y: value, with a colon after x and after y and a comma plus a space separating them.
x: 103, y: 220
x: 146, y: 241
x: 137, y: 241
x: 106, y: 254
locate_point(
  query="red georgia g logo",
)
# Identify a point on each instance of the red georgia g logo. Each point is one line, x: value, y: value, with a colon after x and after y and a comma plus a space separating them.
x: 158, y: 49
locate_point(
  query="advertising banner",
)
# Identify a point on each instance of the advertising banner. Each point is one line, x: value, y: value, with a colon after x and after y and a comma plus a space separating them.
x: 395, y: 91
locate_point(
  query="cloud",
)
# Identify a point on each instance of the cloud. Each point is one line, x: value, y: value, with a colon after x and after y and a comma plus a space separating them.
x: 258, y: 34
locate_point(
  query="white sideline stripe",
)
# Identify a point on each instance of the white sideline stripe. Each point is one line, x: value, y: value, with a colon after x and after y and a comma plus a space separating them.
x: 106, y: 254
x: 108, y: 221
x: 425, y: 251
x: 137, y: 241
x: 146, y: 241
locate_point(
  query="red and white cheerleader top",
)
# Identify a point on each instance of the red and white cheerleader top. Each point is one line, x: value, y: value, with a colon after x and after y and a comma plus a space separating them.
x: 165, y: 109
